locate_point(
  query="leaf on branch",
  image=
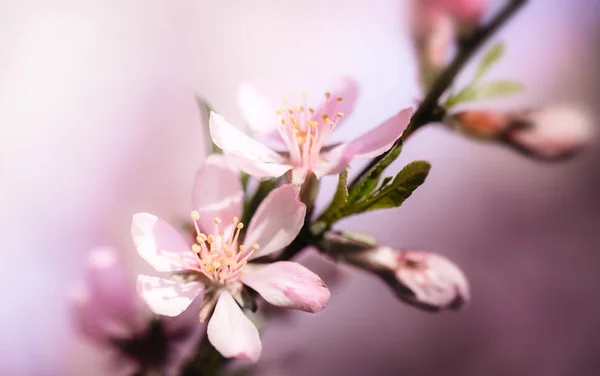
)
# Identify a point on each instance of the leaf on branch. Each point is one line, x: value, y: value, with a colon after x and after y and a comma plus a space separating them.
x: 339, y: 199
x: 396, y: 192
x: 489, y: 90
x: 366, y: 186
x: 489, y: 59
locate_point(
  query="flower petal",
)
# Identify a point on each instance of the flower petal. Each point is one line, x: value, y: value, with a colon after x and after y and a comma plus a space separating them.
x: 258, y: 111
x: 288, y: 284
x: 231, y: 332
x: 252, y: 155
x: 168, y: 297
x: 105, y: 305
x: 217, y: 191
x: 160, y: 244
x: 347, y: 89
x: 260, y: 169
x: 110, y: 286
x: 381, y: 138
x: 335, y: 160
x: 276, y: 222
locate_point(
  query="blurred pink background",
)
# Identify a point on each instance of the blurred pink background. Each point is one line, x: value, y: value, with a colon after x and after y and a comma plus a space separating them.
x: 98, y: 121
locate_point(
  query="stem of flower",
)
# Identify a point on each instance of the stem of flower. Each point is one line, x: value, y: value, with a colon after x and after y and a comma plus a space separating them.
x: 428, y: 111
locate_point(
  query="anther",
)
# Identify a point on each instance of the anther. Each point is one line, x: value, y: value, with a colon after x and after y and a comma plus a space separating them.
x: 195, y: 215
x: 235, y: 220
x: 210, y: 239
x: 196, y: 248
x: 240, y: 226
x: 217, y: 220
x: 327, y: 94
x: 222, y: 233
x: 312, y: 123
x: 340, y: 114
x: 242, y: 248
x: 201, y: 238
x: 339, y: 99
x: 255, y: 246
x: 311, y: 110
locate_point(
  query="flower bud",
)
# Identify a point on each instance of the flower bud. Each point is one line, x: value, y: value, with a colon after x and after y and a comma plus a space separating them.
x: 434, y: 35
x: 548, y: 133
x: 437, y: 24
x: 466, y: 13
x: 552, y: 132
x: 423, y: 279
x: 480, y: 123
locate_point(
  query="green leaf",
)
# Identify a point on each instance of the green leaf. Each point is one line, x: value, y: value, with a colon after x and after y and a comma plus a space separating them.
x: 489, y: 59
x: 339, y: 199
x: 494, y: 89
x: 385, y: 182
x: 394, y: 194
x: 368, y: 184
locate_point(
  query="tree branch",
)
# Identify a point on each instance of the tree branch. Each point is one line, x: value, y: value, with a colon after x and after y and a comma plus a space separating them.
x: 427, y: 111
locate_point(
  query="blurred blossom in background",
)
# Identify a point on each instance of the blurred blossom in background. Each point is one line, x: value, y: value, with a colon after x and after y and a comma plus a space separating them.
x: 98, y: 121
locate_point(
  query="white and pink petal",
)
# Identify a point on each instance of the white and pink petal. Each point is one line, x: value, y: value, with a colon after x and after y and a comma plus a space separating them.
x: 381, y: 138
x: 168, y: 297
x: 217, y: 191
x: 276, y: 222
x: 237, y: 144
x: 288, y: 284
x: 163, y: 247
x: 334, y: 161
x: 345, y: 88
x: 257, y: 110
x: 231, y: 332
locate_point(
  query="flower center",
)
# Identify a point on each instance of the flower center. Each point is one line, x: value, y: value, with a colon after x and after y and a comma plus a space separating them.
x: 303, y: 129
x: 219, y: 257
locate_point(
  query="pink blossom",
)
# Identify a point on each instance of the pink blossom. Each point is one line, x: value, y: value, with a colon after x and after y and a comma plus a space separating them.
x: 547, y: 133
x: 465, y: 11
x: 108, y: 311
x: 434, y: 33
x: 303, y: 131
x: 552, y: 132
x: 436, y: 26
x: 423, y: 279
x: 217, y: 263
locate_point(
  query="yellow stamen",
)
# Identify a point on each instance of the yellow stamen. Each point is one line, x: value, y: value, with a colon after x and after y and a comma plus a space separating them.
x: 195, y: 215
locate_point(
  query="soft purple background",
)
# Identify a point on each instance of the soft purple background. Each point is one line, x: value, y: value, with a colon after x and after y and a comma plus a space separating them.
x: 96, y: 123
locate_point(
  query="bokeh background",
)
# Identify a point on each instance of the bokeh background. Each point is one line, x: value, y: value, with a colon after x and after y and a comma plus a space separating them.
x: 98, y: 121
